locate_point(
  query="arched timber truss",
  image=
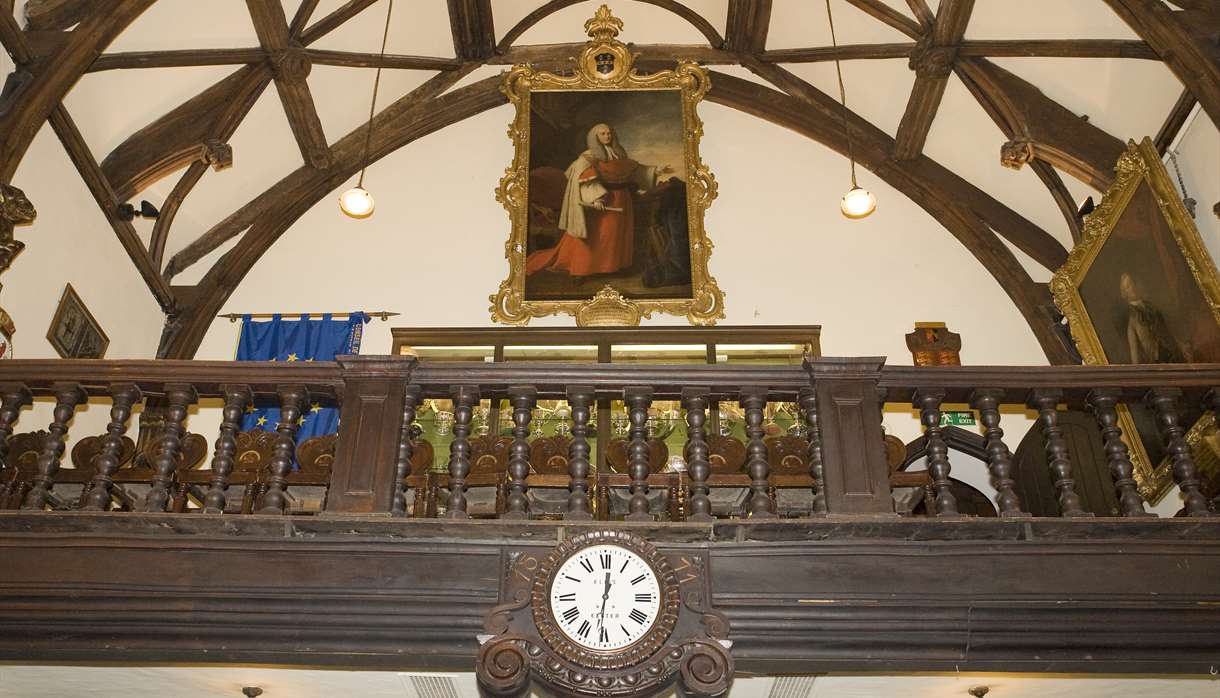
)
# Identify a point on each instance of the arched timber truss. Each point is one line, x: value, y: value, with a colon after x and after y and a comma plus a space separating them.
x: 190, y: 138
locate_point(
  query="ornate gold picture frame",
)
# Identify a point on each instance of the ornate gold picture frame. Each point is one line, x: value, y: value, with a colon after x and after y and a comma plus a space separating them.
x: 607, y: 238
x: 1140, y: 287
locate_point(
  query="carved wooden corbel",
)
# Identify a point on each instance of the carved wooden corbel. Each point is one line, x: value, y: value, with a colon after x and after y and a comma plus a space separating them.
x: 216, y: 153
x: 931, y: 61
x: 1017, y: 153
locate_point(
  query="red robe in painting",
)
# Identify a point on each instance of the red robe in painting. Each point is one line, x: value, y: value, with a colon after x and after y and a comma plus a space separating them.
x: 610, y: 234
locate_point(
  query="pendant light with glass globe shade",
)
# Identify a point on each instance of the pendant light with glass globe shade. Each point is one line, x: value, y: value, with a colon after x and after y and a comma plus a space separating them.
x: 858, y: 202
x: 357, y: 202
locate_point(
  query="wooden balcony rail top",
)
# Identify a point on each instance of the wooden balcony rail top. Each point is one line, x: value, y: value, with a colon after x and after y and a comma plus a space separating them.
x: 376, y: 465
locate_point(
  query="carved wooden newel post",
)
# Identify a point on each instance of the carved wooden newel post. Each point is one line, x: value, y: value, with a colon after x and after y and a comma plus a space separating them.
x: 13, y: 396
x: 753, y: 402
x: 125, y: 395
x: 580, y: 397
x: 402, y: 466
x: 697, y: 455
x: 1046, y: 401
x: 67, y: 397
x: 523, y: 399
x: 638, y: 399
x: 236, y: 399
x: 1103, y: 402
x: 1165, y: 402
x: 464, y: 399
x: 999, y: 458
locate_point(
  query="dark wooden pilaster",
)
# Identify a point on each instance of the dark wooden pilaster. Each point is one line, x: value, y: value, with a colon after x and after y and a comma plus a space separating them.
x: 369, y: 432
x: 856, y: 476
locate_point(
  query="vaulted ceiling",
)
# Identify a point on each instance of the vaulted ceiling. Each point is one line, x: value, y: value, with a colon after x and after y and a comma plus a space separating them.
x: 1052, y: 76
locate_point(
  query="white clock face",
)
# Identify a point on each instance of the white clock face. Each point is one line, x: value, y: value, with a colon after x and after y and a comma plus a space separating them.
x: 605, y: 597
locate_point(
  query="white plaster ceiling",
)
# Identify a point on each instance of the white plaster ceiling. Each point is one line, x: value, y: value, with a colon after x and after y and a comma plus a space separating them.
x: 227, y: 682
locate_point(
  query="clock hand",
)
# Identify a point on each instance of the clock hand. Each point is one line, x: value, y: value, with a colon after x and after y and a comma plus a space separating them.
x: 601, y: 617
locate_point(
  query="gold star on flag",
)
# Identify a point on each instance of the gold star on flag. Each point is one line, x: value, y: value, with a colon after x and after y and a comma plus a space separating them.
x: 292, y: 357
x: 249, y: 409
x: 301, y: 421
x: 262, y: 421
x: 315, y: 407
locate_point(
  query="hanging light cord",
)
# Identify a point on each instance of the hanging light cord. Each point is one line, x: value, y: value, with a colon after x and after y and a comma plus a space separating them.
x: 368, y: 133
x: 851, y: 155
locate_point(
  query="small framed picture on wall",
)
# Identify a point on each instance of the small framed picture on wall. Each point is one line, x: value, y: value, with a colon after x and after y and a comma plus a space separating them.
x: 74, y: 331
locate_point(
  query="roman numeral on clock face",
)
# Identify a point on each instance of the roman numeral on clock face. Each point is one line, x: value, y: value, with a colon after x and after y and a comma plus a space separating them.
x: 643, y: 598
x: 568, y: 597
x: 605, y: 561
x: 587, y: 565
x: 603, y: 635
x: 571, y: 614
x: 584, y: 629
x: 638, y: 616
x: 638, y: 579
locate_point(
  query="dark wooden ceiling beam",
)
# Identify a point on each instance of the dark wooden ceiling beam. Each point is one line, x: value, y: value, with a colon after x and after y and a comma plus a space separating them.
x: 960, y: 207
x: 408, y: 119
x: 253, y: 210
x: 1177, y: 36
x: 55, y: 15
x: 552, y: 6
x: 127, y: 60
x: 1014, y: 48
x: 52, y: 77
x: 474, y: 33
x: 872, y: 148
x: 923, y: 14
x: 1060, y: 194
x: 1175, y: 121
x: 301, y: 19
x: 181, y: 136
x: 1037, y: 127
x: 78, y: 152
x: 334, y: 20
x: 290, y: 65
x: 169, y: 210
x: 650, y: 55
x: 932, y: 61
x: 373, y: 60
x: 1212, y: 6
x: 881, y: 11
x: 1057, y: 48
x: 747, y: 25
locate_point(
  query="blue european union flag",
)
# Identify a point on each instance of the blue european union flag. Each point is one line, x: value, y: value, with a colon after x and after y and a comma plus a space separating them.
x: 298, y: 340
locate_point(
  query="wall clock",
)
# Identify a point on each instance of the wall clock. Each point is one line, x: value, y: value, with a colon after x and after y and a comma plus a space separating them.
x: 604, y: 613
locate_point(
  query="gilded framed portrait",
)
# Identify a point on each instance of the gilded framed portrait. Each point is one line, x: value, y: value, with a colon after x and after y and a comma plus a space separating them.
x: 1140, y: 288
x: 606, y: 192
x: 74, y: 332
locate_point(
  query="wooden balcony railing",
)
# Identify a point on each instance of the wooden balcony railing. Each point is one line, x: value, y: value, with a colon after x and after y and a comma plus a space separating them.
x: 376, y: 465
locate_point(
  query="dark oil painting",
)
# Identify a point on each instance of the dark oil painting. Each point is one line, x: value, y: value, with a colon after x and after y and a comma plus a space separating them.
x: 607, y: 195
x: 1146, y: 306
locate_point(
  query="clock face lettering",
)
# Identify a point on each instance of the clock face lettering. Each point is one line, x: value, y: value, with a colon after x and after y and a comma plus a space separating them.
x: 605, y: 597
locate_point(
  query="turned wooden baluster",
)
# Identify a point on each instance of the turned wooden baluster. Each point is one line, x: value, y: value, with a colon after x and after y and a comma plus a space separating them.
x: 808, y: 399
x: 999, y: 458
x: 928, y: 401
x: 179, y: 397
x: 1104, y: 404
x: 523, y: 399
x: 402, y: 466
x: 697, y: 466
x: 638, y: 400
x: 464, y: 399
x: 124, y: 396
x: 579, y: 398
x: 13, y: 396
x: 236, y: 399
x: 759, y: 505
x: 1057, y: 459
x: 67, y: 397
x: 1165, y: 402
x: 292, y: 400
